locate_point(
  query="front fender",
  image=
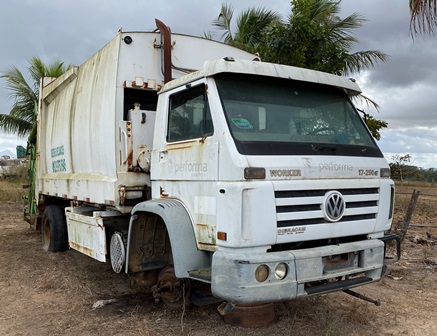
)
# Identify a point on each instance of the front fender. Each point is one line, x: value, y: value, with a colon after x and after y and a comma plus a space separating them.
x: 186, y: 256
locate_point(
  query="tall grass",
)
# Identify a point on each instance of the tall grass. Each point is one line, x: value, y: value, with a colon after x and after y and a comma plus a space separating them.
x: 11, y: 190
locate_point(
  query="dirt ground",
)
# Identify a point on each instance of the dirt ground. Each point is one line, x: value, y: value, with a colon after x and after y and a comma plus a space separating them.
x: 44, y: 293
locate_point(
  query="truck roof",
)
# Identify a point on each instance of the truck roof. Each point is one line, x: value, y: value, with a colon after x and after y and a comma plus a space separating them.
x: 214, y: 67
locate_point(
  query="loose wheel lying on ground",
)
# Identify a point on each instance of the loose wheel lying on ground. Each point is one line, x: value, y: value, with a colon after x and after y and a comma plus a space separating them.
x: 54, y: 229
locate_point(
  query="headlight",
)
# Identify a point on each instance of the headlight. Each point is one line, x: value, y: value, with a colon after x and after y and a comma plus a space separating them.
x: 262, y: 273
x: 281, y: 271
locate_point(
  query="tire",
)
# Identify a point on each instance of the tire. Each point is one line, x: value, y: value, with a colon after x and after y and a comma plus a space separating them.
x: 54, y: 229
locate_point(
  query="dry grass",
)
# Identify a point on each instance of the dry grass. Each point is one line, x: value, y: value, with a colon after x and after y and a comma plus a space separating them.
x: 67, y: 284
x: 418, y: 251
x: 426, y: 209
x: 11, y: 190
x: 424, y: 187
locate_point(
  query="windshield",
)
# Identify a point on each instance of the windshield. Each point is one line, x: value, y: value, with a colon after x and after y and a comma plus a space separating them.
x: 278, y: 116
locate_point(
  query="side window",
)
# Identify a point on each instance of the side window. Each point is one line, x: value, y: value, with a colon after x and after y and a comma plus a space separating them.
x: 189, y: 116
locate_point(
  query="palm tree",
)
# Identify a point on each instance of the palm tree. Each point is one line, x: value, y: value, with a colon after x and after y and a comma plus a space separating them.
x: 249, y: 25
x: 314, y: 37
x: 317, y: 23
x: 22, y: 115
x: 423, y: 16
x: 318, y: 37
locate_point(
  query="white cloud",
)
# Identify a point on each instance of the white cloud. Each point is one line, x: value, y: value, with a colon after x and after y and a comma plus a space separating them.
x: 10, y: 142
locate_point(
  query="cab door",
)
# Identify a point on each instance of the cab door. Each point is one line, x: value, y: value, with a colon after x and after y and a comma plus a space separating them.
x: 185, y: 157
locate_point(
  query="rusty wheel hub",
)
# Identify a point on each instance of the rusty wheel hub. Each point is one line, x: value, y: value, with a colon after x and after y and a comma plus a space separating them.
x: 248, y: 316
x: 174, y: 292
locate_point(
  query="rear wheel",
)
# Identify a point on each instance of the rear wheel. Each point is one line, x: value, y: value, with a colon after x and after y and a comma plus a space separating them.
x: 54, y: 229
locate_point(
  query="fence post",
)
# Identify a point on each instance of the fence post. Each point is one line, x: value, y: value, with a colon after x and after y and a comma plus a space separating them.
x: 407, y: 219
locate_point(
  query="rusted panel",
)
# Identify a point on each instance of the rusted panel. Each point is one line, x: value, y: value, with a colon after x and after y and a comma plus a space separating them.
x: 340, y: 261
x: 206, y: 234
x: 89, y: 252
x: 207, y: 247
x: 86, y: 234
x: 166, y: 36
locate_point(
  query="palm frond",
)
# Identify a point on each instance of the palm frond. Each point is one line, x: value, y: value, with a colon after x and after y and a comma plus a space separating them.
x: 56, y: 69
x: 19, y: 89
x: 209, y: 35
x: 423, y: 16
x: 223, y: 22
x: 22, y: 115
x: 322, y: 9
x: 342, y: 30
x: 24, y: 110
x: 251, y: 24
x: 11, y: 124
x: 367, y: 101
x: 37, y: 69
x: 363, y: 60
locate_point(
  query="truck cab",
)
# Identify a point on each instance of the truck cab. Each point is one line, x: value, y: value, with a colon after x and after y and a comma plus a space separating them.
x: 286, y: 190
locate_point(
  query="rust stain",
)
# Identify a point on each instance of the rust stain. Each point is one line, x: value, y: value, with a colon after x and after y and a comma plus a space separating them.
x: 166, y: 37
x: 162, y: 192
x: 338, y: 261
x: 122, y: 194
x: 130, y: 158
x: 248, y: 316
x: 83, y: 249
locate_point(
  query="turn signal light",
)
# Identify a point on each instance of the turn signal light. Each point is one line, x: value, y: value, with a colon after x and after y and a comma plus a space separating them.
x: 385, y: 172
x: 222, y: 235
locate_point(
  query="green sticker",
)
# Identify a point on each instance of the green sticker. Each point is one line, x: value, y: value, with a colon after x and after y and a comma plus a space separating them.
x: 242, y: 123
x: 59, y: 166
x: 57, y: 151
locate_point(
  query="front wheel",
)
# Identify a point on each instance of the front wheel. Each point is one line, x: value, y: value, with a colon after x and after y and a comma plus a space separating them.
x: 54, y: 229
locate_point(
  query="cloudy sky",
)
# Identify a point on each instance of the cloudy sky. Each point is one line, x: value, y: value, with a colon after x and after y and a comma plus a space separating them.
x: 405, y: 87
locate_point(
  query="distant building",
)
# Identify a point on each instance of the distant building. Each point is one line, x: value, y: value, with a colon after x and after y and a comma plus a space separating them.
x: 21, y: 152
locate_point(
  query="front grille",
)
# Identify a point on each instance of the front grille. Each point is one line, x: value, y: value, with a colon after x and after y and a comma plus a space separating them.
x: 305, y: 207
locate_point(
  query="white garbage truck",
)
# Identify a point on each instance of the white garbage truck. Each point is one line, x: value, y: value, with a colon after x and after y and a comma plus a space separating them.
x: 188, y: 163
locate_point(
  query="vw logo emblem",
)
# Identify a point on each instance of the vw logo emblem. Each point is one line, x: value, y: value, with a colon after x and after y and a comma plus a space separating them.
x: 334, y: 206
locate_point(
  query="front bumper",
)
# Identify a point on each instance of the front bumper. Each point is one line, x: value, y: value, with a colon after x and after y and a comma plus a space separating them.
x: 309, y: 272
